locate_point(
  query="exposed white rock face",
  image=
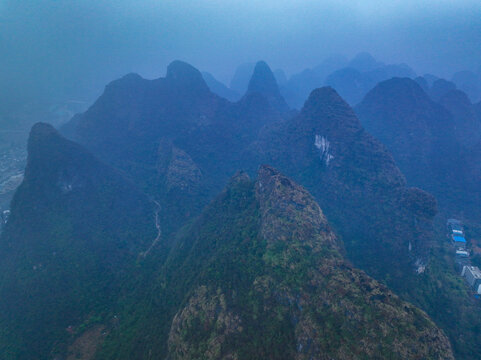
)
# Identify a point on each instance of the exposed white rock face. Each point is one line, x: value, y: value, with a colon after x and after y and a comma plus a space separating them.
x: 420, y: 266
x: 323, y: 145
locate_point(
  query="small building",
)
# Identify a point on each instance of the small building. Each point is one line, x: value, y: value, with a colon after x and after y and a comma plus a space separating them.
x: 462, y: 253
x: 5, y: 216
x: 455, y: 227
x: 472, y: 275
x: 461, y: 263
x: 459, y: 242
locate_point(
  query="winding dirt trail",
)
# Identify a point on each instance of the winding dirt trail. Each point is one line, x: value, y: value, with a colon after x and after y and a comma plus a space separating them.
x: 159, y: 231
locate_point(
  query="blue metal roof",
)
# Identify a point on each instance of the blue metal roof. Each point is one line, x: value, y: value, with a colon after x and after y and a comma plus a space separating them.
x: 459, y: 239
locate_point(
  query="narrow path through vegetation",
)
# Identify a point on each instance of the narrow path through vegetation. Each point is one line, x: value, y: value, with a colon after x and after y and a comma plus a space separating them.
x: 159, y: 231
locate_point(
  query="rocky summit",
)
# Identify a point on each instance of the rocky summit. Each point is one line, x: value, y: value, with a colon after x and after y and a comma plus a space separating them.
x: 350, y: 173
x: 264, y: 82
x: 262, y: 277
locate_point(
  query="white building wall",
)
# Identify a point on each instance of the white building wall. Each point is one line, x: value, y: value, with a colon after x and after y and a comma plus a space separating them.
x: 469, y: 276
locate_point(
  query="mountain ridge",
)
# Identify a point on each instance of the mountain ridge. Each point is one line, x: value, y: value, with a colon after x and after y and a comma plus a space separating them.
x: 68, y: 245
x: 273, y: 252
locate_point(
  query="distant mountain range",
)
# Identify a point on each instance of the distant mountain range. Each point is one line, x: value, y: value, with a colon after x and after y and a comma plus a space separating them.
x: 351, y: 79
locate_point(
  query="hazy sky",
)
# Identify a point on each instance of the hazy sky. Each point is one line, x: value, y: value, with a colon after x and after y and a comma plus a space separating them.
x: 67, y: 45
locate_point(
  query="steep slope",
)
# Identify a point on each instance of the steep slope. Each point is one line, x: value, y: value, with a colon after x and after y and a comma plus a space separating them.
x: 133, y: 113
x: 419, y: 133
x: 362, y: 74
x: 470, y: 83
x: 330, y: 64
x: 280, y: 76
x: 263, y: 82
x: 364, y: 62
x: 356, y: 182
x: 299, y: 86
x: 466, y: 124
x: 352, y: 80
x: 241, y: 78
x: 185, y: 159
x: 128, y: 124
x: 430, y: 78
x: 259, y: 275
x: 440, y: 87
x: 219, y: 88
x: 423, y: 83
x: 431, y: 147
x: 350, y: 83
x: 437, y: 147
x: 76, y: 229
x: 385, y: 226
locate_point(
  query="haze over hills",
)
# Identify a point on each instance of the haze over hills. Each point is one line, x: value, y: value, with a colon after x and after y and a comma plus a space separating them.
x: 418, y: 131
x: 467, y: 125
x: 219, y: 88
x: 285, y: 261
x: 326, y: 149
x: 303, y: 183
x: 433, y: 143
x: 264, y: 83
x: 206, y: 133
x: 219, y: 155
x: 254, y: 261
x: 470, y: 83
x: 261, y: 254
x: 441, y: 87
x: 70, y: 242
x: 211, y: 157
x: 352, y: 79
